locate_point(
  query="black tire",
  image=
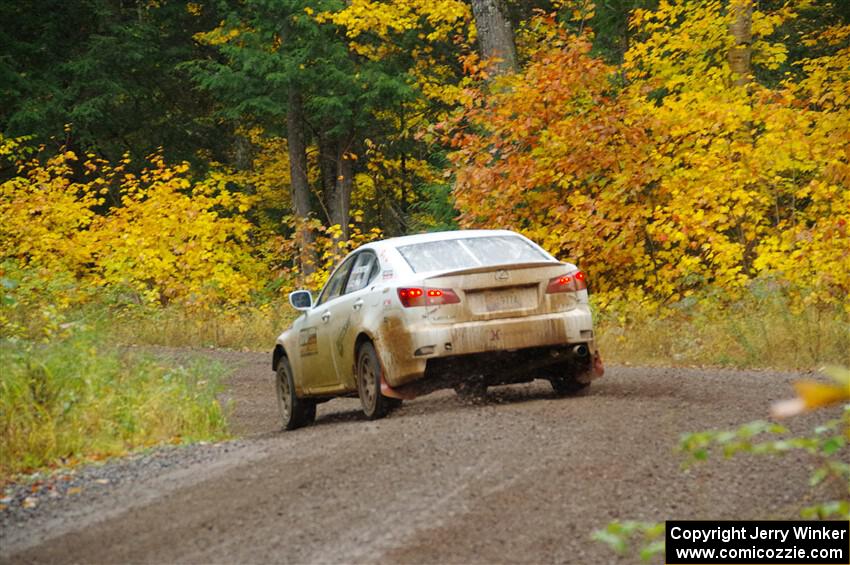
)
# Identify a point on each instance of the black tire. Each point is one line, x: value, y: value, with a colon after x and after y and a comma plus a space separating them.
x: 567, y: 385
x: 369, y: 372
x: 295, y: 412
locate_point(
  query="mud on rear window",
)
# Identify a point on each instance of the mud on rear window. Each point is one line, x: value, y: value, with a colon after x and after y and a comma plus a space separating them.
x: 466, y: 253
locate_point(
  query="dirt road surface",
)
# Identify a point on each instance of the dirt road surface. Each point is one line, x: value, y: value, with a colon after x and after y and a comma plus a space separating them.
x: 524, y: 477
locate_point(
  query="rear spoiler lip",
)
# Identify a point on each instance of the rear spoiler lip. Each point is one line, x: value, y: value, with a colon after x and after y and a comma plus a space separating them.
x: 495, y: 268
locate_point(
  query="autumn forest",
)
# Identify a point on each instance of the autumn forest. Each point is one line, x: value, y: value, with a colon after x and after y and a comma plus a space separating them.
x: 208, y: 157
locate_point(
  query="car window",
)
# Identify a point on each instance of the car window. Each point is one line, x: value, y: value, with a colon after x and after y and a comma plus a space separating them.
x: 335, y: 284
x: 465, y: 253
x: 363, y: 271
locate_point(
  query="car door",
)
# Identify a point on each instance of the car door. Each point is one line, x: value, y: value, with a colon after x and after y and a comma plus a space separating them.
x: 315, y: 342
x: 346, y: 321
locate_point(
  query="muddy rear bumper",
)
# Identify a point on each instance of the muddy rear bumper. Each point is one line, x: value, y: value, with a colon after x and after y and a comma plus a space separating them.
x: 501, y: 367
x: 425, y: 345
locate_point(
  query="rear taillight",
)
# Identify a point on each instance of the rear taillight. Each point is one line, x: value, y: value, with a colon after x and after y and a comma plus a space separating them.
x: 413, y: 297
x: 567, y: 283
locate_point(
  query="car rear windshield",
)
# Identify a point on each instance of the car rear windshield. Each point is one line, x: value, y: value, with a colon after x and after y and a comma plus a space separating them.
x: 466, y: 253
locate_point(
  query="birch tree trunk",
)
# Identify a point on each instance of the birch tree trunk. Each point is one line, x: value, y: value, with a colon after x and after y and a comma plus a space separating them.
x: 495, y: 35
x: 741, y: 29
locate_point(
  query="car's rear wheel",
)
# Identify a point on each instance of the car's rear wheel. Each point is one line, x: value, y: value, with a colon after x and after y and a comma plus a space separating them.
x: 295, y: 412
x: 567, y: 385
x: 369, y: 372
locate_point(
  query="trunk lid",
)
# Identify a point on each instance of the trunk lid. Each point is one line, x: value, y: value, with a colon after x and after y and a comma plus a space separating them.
x: 501, y: 291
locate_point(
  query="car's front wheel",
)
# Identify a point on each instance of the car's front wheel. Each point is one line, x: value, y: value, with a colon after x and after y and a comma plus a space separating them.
x: 295, y: 412
x: 375, y: 405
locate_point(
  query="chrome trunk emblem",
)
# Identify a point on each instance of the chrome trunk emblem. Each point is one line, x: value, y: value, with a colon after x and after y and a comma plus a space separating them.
x: 502, y: 275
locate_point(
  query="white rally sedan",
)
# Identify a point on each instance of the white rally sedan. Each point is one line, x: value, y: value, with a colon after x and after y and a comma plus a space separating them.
x: 405, y: 316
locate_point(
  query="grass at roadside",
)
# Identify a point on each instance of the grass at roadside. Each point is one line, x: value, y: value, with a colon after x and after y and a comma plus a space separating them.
x: 757, y: 331
x: 253, y: 328
x: 76, y: 397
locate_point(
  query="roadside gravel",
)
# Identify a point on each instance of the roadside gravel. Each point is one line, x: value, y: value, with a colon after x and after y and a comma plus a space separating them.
x: 43, y: 494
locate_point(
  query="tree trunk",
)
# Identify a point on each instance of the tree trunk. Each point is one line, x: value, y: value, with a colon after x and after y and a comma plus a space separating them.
x: 495, y: 35
x: 741, y: 29
x: 327, y: 171
x: 243, y: 153
x: 337, y: 168
x: 340, y: 207
x: 299, y: 187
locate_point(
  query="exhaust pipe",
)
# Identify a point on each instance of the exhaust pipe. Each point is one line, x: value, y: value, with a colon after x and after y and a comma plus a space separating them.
x: 581, y: 351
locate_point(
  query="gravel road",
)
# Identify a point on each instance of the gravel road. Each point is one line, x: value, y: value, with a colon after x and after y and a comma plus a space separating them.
x: 523, y: 477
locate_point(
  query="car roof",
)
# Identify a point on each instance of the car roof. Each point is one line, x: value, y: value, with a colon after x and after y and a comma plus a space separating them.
x: 396, y: 242
x: 395, y: 259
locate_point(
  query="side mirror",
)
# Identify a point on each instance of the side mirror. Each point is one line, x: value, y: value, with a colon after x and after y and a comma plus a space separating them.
x: 301, y: 300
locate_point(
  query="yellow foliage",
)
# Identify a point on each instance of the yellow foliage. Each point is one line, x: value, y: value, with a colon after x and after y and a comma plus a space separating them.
x: 329, y: 247
x: 437, y: 20
x: 747, y: 181
x: 176, y: 240
x: 375, y: 29
x: 45, y: 213
x: 812, y: 394
x: 168, y: 238
x: 267, y: 180
x: 681, y: 181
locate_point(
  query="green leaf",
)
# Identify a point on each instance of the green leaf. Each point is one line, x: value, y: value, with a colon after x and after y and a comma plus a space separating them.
x: 648, y: 551
x: 818, y: 476
x: 833, y: 445
x: 614, y: 541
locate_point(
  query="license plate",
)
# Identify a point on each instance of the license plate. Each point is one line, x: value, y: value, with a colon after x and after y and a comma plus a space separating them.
x: 504, y: 300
